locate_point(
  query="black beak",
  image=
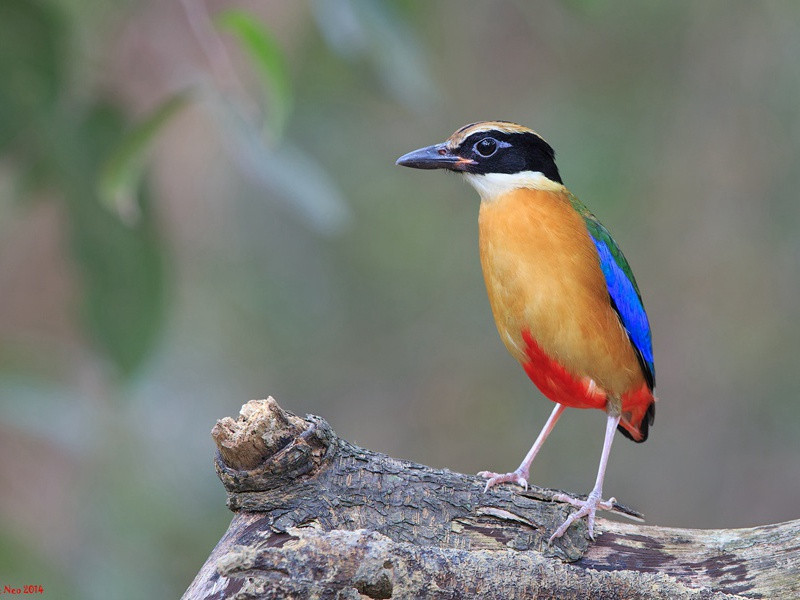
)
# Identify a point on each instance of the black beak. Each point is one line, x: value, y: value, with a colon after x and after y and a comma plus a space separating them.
x: 437, y: 156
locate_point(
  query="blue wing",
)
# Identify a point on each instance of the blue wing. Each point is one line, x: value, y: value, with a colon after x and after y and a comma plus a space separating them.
x: 627, y: 302
x: 623, y: 292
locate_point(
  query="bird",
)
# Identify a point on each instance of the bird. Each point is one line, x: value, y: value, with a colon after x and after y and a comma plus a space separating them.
x: 563, y: 296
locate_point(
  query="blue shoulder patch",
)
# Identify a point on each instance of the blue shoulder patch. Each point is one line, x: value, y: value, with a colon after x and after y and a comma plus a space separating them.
x: 627, y: 303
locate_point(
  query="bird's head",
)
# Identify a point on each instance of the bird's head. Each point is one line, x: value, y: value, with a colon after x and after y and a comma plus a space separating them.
x: 494, y: 156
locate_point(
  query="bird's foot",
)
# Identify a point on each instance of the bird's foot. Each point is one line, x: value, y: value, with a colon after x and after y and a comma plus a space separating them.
x: 519, y: 477
x: 586, y: 508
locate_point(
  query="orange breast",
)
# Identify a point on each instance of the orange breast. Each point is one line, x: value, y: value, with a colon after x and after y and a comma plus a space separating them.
x: 543, y: 277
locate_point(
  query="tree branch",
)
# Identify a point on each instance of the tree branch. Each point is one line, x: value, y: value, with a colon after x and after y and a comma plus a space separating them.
x: 319, y: 517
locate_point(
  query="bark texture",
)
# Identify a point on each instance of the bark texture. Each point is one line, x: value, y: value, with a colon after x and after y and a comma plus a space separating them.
x: 317, y: 517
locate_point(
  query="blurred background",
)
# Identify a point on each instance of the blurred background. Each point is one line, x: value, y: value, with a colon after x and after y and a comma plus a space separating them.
x: 199, y: 206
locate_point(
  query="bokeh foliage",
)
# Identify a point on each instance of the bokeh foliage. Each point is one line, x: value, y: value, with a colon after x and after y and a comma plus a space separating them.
x: 198, y: 205
x: 59, y: 144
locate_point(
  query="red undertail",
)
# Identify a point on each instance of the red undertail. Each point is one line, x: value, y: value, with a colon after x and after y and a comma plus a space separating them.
x: 559, y: 385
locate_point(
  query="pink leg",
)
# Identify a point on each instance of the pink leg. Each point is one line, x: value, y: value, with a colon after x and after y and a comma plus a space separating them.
x: 520, y: 476
x: 589, y: 506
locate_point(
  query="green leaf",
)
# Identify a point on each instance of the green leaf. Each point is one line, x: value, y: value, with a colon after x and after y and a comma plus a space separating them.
x: 31, y: 64
x: 268, y: 60
x: 123, y: 285
x: 121, y: 267
x: 121, y: 174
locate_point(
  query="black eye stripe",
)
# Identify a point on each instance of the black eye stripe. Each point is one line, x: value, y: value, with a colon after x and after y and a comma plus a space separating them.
x: 513, y: 153
x: 503, y: 140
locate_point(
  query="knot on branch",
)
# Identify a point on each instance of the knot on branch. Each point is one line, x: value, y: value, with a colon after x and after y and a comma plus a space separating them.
x: 267, y: 445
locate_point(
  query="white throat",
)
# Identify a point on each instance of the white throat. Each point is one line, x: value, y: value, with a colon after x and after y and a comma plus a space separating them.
x: 494, y: 185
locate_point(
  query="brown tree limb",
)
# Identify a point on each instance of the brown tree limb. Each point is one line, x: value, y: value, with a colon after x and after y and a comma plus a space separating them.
x: 317, y: 517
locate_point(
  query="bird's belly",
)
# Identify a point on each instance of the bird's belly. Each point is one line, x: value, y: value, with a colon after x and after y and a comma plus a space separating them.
x: 550, y: 302
x: 543, y: 326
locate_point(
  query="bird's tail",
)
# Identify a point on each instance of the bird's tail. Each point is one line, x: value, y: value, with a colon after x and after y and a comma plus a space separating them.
x: 638, y: 413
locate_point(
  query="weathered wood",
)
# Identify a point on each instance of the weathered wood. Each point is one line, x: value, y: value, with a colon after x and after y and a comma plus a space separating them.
x: 317, y: 517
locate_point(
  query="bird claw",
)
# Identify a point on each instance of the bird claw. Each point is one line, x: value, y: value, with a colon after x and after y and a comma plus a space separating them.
x: 586, y: 508
x: 494, y: 479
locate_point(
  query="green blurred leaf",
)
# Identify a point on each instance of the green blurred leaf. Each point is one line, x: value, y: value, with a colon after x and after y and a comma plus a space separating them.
x: 121, y: 266
x: 123, y: 285
x: 122, y: 172
x: 268, y: 60
x: 31, y: 64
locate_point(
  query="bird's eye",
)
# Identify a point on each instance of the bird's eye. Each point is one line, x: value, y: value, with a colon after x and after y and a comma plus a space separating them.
x: 486, y: 147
